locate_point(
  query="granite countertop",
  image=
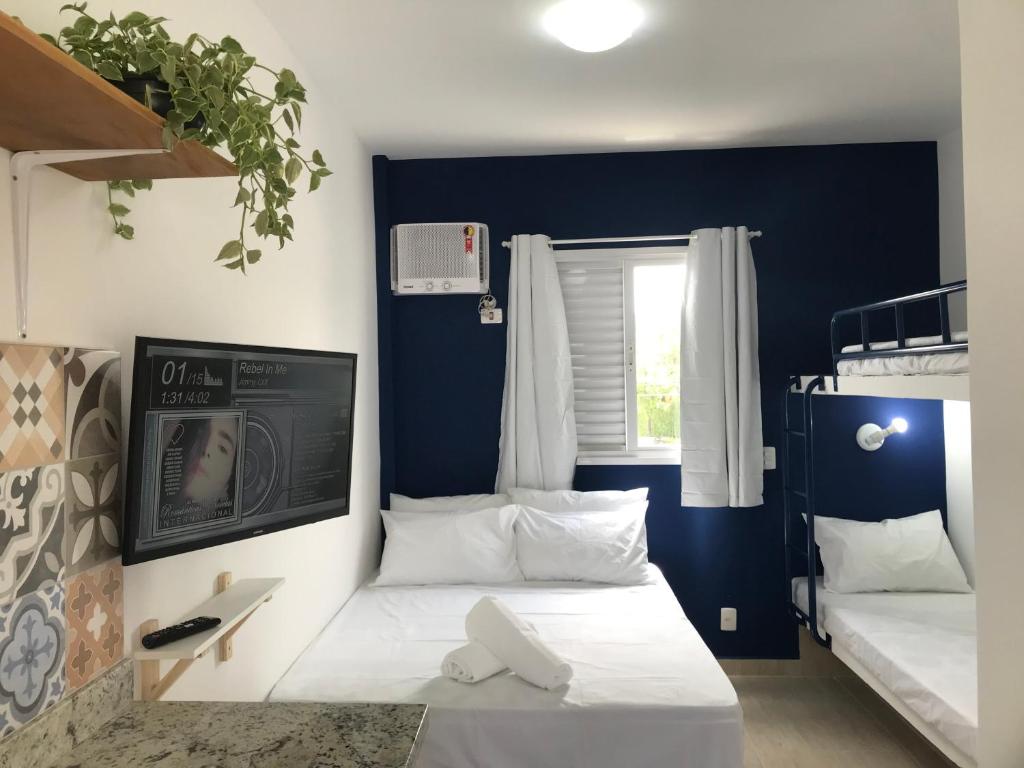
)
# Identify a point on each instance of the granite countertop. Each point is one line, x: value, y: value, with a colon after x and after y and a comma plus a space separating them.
x: 253, y: 735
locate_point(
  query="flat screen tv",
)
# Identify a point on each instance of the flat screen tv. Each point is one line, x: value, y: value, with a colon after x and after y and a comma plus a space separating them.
x: 228, y: 442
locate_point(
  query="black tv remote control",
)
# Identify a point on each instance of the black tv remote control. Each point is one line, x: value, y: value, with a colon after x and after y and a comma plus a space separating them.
x: 178, y: 631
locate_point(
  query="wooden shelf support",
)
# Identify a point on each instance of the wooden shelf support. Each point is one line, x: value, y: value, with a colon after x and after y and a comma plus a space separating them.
x: 233, y: 603
x: 225, y: 648
x: 22, y: 165
x: 154, y: 686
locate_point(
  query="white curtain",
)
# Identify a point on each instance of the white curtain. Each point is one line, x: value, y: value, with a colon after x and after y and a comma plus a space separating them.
x: 538, y: 426
x: 720, y: 409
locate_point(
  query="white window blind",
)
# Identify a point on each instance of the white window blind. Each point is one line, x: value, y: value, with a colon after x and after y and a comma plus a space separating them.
x: 595, y: 312
x: 607, y: 293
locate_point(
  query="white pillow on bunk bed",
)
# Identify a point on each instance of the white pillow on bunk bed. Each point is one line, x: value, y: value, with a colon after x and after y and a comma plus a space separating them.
x: 907, y: 554
x: 604, y: 546
x: 400, y: 503
x: 468, y: 547
x: 576, y: 501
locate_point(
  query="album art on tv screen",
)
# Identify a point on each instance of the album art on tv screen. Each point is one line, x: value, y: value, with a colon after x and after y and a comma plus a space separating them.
x: 229, y: 442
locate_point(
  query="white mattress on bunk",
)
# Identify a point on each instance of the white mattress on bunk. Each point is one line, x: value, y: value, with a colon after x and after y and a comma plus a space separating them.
x: 921, y: 645
x: 907, y: 365
x: 646, y: 693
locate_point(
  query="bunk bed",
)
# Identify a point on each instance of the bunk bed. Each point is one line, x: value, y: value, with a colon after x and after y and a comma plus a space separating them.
x: 918, y: 651
x: 929, y: 366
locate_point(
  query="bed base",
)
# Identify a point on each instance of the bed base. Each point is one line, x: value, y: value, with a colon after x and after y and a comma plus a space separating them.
x: 937, y: 739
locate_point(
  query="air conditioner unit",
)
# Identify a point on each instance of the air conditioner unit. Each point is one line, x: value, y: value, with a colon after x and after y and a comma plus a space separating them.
x: 439, y: 258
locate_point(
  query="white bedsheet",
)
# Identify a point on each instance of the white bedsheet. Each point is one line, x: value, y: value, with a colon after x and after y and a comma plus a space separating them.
x: 647, y: 693
x: 907, y: 365
x: 921, y: 645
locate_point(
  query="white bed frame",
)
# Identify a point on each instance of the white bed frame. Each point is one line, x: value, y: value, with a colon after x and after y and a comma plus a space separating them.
x: 923, y: 387
x: 940, y: 742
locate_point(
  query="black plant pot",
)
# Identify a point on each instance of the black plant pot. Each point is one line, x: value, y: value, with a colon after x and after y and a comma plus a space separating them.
x: 159, y: 99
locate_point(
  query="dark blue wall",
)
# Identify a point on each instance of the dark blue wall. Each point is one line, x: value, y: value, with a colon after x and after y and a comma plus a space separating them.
x: 843, y: 225
x: 905, y: 476
x: 716, y: 557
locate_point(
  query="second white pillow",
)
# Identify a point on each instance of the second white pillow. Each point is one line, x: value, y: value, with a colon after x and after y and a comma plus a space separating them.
x: 607, y: 547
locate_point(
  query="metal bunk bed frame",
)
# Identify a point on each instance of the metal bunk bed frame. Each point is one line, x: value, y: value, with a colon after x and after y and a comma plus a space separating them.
x: 940, y: 294
x: 807, y: 550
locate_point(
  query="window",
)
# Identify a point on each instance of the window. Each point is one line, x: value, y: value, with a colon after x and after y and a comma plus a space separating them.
x: 623, y: 310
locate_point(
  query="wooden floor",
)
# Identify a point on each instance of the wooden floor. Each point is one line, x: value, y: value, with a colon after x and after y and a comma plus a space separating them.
x: 833, y: 722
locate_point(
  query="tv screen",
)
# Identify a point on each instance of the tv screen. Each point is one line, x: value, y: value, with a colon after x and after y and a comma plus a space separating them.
x: 229, y: 442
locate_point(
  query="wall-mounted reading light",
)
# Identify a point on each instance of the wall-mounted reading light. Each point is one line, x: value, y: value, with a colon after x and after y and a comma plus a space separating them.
x: 871, y: 436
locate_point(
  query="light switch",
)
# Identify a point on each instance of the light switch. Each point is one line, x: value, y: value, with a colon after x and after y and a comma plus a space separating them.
x: 769, y: 457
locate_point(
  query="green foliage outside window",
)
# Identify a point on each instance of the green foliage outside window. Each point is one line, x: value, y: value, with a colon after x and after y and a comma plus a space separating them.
x: 657, y: 398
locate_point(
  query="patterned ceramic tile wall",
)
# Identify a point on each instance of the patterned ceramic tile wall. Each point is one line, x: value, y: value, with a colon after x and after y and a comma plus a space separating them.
x: 95, y: 622
x: 61, y: 583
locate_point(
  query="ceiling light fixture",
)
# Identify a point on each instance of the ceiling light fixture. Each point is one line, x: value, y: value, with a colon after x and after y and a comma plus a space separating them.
x: 593, y: 25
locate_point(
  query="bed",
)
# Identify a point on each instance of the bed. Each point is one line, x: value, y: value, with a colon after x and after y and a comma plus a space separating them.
x: 928, y: 364
x: 942, y: 354
x: 647, y: 693
x: 918, y: 650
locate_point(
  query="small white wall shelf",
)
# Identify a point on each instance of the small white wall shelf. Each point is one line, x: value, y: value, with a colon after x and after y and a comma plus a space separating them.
x: 233, y: 604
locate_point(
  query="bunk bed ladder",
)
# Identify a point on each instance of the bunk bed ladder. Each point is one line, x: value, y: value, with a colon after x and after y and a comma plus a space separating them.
x: 806, y: 549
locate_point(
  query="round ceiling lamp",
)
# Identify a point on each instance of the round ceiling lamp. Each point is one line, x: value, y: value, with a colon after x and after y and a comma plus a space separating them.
x: 592, y: 26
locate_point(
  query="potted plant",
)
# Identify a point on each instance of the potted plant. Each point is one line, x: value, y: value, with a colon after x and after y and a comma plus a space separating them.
x: 206, y: 92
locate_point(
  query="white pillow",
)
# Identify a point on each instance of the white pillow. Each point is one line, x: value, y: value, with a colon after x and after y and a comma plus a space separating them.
x: 576, y: 501
x: 908, y: 554
x: 604, y: 546
x: 400, y: 503
x: 472, y: 547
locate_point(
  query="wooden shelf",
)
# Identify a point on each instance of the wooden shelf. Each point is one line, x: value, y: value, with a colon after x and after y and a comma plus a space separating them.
x: 50, y: 101
x: 233, y: 606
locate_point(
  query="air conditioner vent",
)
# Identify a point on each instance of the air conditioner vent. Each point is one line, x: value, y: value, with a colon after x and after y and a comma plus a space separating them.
x: 439, y: 258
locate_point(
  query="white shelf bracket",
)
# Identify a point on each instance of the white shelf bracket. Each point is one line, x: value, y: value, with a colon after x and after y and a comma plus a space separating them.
x: 21, y: 166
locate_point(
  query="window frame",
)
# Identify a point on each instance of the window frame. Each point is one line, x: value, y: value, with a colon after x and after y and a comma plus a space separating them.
x: 629, y: 258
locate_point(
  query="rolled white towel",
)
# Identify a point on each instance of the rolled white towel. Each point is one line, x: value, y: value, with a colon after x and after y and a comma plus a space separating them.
x: 514, y: 641
x: 471, y: 663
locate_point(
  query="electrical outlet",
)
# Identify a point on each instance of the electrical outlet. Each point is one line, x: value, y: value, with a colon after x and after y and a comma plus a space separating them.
x: 769, y: 457
x: 728, y: 619
x: 491, y: 316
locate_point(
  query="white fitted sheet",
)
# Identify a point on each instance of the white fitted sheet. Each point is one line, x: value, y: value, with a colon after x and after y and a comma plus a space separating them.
x: 907, y: 365
x: 646, y: 693
x: 921, y: 645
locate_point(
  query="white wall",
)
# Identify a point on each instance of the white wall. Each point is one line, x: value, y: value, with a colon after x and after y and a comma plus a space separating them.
x: 992, y: 59
x: 952, y: 246
x: 89, y: 288
x: 956, y: 418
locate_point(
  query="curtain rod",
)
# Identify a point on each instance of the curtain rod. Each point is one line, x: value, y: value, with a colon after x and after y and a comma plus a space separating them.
x: 644, y: 239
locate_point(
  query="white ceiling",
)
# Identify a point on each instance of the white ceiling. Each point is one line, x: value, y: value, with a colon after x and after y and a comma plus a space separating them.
x: 430, y: 78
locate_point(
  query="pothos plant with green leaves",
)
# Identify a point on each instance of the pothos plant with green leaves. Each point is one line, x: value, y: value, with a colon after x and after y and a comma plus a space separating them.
x: 213, y: 100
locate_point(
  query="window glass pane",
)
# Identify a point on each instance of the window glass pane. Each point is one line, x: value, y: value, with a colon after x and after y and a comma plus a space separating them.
x: 657, y: 294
